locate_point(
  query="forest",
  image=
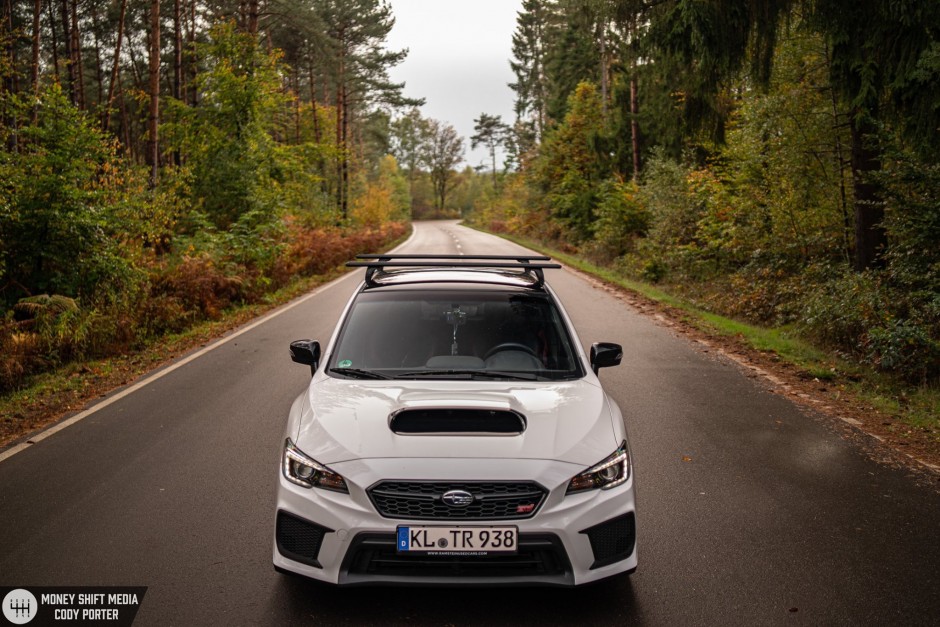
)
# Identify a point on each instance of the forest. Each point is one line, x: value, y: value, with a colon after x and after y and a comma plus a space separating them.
x: 162, y: 163
x: 772, y: 161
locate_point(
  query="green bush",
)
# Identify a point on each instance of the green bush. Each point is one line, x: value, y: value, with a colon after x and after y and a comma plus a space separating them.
x: 864, y: 316
x: 904, y: 347
x: 57, y: 200
x: 621, y: 219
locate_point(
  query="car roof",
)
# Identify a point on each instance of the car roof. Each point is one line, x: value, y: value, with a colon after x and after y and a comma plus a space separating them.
x: 520, y: 271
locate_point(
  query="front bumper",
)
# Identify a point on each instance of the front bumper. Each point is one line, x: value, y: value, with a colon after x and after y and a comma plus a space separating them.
x: 342, y: 539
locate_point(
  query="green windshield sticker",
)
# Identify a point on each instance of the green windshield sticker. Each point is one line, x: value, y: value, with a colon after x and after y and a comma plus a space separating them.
x: 346, y: 363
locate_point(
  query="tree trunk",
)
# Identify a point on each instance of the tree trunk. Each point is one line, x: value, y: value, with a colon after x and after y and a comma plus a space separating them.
x: 635, y: 127
x: 55, y: 43
x: 603, y: 69
x: 341, y: 125
x: 871, y: 240
x: 77, y: 58
x: 11, y: 80
x: 70, y: 59
x: 191, y: 46
x: 153, y: 146
x: 99, y: 75
x: 840, y: 164
x: 295, y: 101
x: 125, y: 122
x: 313, y: 105
x: 634, y: 96
x: 34, y: 63
x: 114, y: 68
x: 8, y: 86
x: 493, y: 156
x: 177, y: 50
x: 344, y: 183
x: 177, y: 64
x: 253, y: 17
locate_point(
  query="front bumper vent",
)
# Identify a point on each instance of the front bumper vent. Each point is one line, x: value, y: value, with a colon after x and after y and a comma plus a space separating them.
x: 492, y: 500
x: 612, y: 541
x: 299, y: 539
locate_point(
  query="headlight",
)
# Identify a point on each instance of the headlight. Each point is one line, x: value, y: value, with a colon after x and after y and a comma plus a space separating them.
x: 605, y: 475
x: 306, y: 472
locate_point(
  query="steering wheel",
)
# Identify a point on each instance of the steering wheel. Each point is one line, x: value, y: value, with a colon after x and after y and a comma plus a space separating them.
x: 510, y: 346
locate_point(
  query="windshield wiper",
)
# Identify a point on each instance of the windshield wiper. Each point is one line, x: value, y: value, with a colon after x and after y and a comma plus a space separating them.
x: 487, y: 374
x: 358, y: 373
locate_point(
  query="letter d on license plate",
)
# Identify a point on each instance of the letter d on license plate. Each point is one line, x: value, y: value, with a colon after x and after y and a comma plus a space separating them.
x: 464, y: 540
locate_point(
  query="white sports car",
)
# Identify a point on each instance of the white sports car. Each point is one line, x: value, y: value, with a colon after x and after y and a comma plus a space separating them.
x: 455, y: 433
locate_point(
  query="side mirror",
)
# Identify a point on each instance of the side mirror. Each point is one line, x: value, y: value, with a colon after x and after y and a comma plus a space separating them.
x: 306, y: 352
x: 605, y: 354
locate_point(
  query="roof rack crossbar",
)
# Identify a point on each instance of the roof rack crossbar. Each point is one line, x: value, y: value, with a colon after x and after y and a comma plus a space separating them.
x: 519, y: 258
x: 523, y: 262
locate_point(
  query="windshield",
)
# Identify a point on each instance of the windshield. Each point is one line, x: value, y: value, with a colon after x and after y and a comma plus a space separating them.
x: 454, y: 334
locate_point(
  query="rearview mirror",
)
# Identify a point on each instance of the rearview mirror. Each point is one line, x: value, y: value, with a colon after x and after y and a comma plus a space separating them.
x: 306, y: 352
x: 605, y: 354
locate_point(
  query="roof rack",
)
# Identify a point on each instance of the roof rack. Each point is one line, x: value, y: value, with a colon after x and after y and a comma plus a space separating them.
x: 374, y: 263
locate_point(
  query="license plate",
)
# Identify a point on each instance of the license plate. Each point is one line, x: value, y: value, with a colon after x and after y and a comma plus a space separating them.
x: 462, y: 540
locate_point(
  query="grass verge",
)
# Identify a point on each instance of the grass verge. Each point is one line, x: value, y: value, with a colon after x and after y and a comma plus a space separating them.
x: 906, y: 417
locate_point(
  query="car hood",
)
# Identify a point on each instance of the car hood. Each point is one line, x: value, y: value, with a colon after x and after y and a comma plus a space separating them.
x: 344, y: 420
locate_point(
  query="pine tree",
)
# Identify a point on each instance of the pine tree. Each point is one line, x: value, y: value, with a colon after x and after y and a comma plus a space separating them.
x: 573, y: 55
x: 529, y: 44
x: 489, y: 131
x: 359, y: 64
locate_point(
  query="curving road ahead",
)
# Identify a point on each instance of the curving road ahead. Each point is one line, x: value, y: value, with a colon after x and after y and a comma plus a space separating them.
x: 752, y: 512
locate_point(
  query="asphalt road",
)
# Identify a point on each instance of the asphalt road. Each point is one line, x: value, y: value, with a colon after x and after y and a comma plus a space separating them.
x: 751, y: 511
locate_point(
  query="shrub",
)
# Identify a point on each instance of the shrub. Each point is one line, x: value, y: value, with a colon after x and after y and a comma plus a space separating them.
x: 904, y: 347
x: 199, y: 286
x: 621, y: 218
x: 895, y: 330
x: 56, y: 204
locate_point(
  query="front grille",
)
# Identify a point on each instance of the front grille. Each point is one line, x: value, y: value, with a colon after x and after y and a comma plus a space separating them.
x: 299, y: 539
x: 492, y: 500
x: 372, y: 558
x: 613, y: 540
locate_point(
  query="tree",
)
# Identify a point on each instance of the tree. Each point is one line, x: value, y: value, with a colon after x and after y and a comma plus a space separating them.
x: 115, y: 68
x: 574, y: 55
x: 529, y: 45
x: 37, y: 35
x: 884, y: 64
x: 409, y: 135
x: 56, y: 235
x: 490, y: 131
x: 153, y: 152
x: 359, y: 66
x: 227, y: 140
x: 442, y: 153
x: 569, y: 167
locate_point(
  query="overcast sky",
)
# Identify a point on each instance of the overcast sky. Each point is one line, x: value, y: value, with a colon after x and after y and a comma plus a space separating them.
x: 458, y: 60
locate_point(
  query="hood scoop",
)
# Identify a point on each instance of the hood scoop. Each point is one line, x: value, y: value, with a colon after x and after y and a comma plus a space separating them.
x: 454, y: 421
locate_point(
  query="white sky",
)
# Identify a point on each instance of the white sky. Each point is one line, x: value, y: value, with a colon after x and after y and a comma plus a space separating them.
x: 458, y: 60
